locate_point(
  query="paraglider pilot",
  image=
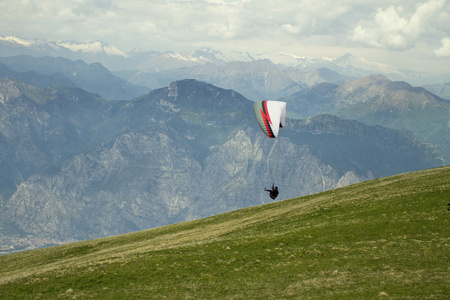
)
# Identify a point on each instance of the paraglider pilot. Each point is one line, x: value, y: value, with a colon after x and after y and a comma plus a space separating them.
x: 273, y: 193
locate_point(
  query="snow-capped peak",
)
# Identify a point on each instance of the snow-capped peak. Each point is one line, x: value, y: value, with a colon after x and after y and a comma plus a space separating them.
x: 93, y: 48
x: 16, y: 40
x: 86, y: 47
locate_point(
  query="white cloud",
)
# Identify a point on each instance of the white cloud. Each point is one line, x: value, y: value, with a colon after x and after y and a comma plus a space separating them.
x: 318, y: 17
x: 391, y: 30
x: 177, y: 20
x: 444, y: 51
x: 294, y: 29
x: 303, y: 27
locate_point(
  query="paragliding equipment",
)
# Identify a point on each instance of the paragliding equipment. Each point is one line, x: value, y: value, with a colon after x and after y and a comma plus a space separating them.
x: 274, y: 157
x: 273, y: 193
x: 271, y: 116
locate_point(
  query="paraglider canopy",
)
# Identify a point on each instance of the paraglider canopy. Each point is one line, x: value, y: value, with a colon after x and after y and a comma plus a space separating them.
x: 271, y: 116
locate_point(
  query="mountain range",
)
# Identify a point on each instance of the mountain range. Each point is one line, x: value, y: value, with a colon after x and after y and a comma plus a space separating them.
x: 258, y: 79
x: 149, y: 61
x: 47, y: 71
x: 263, y: 75
x: 86, y: 152
x: 76, y: 166
x: 376, y: 100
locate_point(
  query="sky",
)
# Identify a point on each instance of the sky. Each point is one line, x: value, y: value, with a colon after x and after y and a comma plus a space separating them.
x: 404, y: 33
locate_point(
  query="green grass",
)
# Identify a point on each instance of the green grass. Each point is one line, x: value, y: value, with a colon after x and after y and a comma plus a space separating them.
x: 386, y: 238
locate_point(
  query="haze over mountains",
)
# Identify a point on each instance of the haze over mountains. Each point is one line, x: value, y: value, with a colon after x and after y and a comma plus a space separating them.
x: 93, y: 77
x: 84, y: 153
x: 149, y: 61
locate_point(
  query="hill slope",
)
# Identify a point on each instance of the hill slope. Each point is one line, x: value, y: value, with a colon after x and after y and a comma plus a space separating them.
x: 385, y: 237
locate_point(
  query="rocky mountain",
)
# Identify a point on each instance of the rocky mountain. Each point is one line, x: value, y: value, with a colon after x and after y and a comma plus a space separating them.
x: 376, y: 100
x: 76, y: 166
x: 40, y: 127
x: 328, y: 97
x: 91, y: 77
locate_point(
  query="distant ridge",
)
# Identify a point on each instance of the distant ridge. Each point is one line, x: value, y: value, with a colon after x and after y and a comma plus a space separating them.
x: 156, y: 61
x: 376, y: 100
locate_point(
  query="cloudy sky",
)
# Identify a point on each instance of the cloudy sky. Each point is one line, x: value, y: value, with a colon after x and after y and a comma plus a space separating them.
x: 414, y: 34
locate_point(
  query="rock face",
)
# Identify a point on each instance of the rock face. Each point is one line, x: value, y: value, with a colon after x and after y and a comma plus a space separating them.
x: 80, y: 167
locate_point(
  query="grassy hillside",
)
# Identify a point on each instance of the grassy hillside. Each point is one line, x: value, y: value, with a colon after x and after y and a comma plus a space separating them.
x: 383, y: 238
